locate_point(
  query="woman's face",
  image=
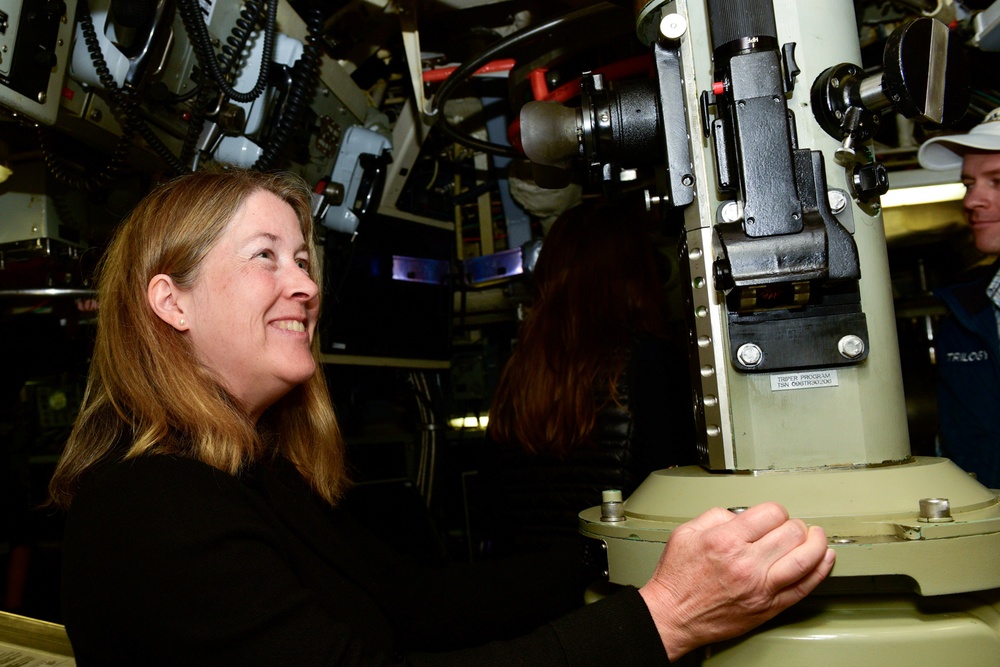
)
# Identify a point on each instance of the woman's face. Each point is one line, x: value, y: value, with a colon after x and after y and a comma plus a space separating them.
x: 252, y: 311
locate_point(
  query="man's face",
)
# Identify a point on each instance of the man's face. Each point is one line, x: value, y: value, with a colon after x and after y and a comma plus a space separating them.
x: 981, y: 176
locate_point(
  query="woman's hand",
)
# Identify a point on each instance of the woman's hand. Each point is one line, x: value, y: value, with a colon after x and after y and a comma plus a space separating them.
x: 723, y: 574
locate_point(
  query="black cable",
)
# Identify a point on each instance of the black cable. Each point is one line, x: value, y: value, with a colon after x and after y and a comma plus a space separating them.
x: 467, y: 69
x: 98, y: 179
x: 123, y: 100
x: 232, y: 50
x: 207, y: 95
x: 130, y: 107
x: 305, y: 74
x: 209, y: 61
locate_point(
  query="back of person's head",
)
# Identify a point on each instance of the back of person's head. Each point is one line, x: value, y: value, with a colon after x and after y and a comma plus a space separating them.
x: 598, y: 268
x: 147, y: 391
x: 596, y: 286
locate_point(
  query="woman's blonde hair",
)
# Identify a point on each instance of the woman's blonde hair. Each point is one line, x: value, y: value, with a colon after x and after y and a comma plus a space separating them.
x: 147, y: 393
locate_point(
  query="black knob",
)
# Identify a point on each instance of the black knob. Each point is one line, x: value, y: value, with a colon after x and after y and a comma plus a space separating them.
x: 46, y: 59
x: 870, y: 180
x: 723, y: 276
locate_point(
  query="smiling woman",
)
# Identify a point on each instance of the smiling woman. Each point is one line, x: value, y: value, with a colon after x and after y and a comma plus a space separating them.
x: 254, y: 284
x: 192, y: 343
x: 203, y: 475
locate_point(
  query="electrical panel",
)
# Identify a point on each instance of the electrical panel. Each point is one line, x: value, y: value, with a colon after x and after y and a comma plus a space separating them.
x: 35, y: 38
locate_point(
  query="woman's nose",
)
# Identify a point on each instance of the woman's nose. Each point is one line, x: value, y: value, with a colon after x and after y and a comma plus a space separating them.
x: 302, y: 286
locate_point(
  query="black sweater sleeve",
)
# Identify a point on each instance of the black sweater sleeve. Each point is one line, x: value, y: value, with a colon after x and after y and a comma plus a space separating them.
x: 168, y: 561
x: 617, y: 630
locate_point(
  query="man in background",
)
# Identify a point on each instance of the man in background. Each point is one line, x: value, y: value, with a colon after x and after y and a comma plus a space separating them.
x: 968, y: 345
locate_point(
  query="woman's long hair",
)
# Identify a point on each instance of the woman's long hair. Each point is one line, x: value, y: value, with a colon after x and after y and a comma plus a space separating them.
x: 147, y: 392
x: 596, y: 286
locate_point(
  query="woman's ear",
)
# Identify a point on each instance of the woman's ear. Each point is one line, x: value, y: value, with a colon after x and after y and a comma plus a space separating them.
x: 166, y: 300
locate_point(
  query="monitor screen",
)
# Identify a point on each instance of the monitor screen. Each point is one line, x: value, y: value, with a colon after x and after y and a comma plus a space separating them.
x: 387, y: 292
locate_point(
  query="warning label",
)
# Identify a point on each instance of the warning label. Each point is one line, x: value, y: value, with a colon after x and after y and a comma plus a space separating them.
x: 804, y: 380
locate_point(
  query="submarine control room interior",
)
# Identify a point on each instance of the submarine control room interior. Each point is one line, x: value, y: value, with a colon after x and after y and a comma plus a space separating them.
x: 447, y: 145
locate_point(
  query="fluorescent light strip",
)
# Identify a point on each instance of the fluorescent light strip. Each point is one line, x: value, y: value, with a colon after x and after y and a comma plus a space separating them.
x: 925, y: 194
x: 469, y: 422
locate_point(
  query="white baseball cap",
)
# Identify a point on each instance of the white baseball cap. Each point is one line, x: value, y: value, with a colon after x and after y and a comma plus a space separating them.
x: 946, y: 152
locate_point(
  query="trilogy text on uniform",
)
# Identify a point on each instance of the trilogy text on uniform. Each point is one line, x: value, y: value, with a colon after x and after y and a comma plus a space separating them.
x: 963, y: 357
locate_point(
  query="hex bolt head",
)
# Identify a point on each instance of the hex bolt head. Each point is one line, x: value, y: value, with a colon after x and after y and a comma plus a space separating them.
x: 837, y: 199
x: 749, y: 354
x: 851, y: 346
x: 731, y: 212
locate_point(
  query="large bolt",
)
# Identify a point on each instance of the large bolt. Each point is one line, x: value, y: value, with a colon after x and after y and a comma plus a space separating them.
x: 851, y: 346
x: 731, y: 212
x: 935, y: 510
x: 749, y: 354
x: 612, y: 507
x: 837, y: 199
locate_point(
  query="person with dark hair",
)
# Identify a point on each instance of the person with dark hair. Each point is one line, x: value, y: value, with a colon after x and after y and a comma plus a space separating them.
x: 594, y: 396
x: 203, y: 476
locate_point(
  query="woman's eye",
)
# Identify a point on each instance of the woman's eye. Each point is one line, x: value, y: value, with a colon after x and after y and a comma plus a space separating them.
x: 302, y: 264
x: 266, y: 254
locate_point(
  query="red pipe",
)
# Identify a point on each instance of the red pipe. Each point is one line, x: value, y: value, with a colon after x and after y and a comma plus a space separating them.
x: 442, y: 73
x: 539, y: 86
